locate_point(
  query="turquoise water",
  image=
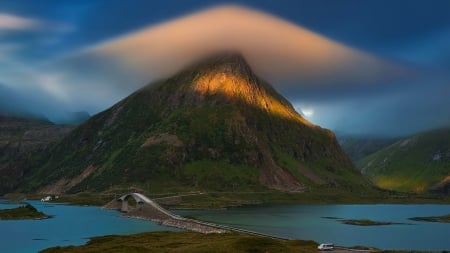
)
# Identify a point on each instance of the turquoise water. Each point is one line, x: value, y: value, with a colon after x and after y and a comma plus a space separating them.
x: 307, y: 222
x: 71, y: 225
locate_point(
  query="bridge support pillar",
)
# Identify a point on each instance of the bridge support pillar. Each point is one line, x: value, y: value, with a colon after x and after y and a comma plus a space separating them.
x: 124, y: 207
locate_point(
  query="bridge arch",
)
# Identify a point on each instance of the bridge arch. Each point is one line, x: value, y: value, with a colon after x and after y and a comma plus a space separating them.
x: 124, y: 201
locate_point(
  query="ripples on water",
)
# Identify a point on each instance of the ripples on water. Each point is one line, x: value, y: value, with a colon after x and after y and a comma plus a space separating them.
x: 71, y: 225
x: 308, y: 222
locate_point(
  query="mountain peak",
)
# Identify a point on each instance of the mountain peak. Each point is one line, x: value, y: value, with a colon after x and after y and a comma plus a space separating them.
x: 232, y: 58
x: 227, y: 78
x: 229, y: 56
x: 229, y: 62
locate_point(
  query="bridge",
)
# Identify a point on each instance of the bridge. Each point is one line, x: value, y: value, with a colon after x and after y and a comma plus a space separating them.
x: 142, y: 199
x: 150, y: 210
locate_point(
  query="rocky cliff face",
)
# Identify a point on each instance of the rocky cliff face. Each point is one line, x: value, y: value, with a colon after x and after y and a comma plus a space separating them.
x: 213, y: 126
x: 20, y: 136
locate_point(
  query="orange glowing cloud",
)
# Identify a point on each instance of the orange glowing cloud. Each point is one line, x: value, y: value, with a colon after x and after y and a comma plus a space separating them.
x: 286, y: 55
x: 276, y: 49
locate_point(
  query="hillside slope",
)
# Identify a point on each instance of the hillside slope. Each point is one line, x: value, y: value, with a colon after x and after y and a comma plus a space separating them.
x: 418, y: 163
x: 358, y: 147
x: 18, y: 137
x: 213, y: 126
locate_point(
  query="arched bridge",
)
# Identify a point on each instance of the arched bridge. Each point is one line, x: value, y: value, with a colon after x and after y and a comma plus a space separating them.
x: 149, y: 209
x: 141, y: 200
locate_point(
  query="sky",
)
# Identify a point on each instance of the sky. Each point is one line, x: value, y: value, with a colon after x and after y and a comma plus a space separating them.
x: 373, y: 67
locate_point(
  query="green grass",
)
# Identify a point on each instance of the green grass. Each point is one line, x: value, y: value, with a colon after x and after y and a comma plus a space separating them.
x: 215, y: 200
x: 198, y: 199
x: 286, y: 161
x: 220, y: 176
x: 411, y: 164
x: 187, y: 242
x: 91, y: 199
x: 26, y: 211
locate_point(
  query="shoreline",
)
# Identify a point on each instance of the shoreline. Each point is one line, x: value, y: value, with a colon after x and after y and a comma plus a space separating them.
x: 223, y: 200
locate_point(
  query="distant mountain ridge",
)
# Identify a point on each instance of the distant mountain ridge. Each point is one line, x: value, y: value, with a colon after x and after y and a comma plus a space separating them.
x: 32, y: 106
x: 20, y: 136
x: 418, y: 163
x: 213, y: 126
x: 358, y: 147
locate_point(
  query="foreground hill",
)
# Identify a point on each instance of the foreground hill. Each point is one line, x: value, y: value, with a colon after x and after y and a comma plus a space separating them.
x: 213, y: 126
x: 418, y: 163
x: 18, y: 137
x: 188, y: 242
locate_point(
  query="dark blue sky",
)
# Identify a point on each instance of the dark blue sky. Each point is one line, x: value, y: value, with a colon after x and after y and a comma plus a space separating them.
x: 414, y: 34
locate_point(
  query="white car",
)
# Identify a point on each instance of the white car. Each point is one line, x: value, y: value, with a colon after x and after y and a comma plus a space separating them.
x: 326, y: 246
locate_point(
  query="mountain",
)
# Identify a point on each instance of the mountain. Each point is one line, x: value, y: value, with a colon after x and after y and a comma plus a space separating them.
x: 31, y: 104
x: 213, y: 126
x: 358, y: 147
x: 18, y: 137
x: 418, y: 163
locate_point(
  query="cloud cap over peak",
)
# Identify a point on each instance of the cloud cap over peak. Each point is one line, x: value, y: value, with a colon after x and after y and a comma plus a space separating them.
x: 350, y: 66
x: 276, y: 49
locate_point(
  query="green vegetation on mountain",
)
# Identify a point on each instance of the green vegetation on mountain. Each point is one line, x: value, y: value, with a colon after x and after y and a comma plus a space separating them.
x: 26, y: 211
x: 358, y: 147
x: 187, y: 242
x: 214, y: 126
x: 419, y: 163
x: 19, y: 137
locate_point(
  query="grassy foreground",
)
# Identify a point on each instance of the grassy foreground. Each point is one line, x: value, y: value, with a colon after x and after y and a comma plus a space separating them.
x: 187, y: 242
x: 26, y: 211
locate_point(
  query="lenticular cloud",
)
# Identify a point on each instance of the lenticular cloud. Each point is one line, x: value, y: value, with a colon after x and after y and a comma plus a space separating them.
x: 288, y: 56
x: 276, y: 49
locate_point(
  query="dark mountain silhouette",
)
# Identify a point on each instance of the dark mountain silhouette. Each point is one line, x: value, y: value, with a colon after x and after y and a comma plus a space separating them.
x: 213, y: 126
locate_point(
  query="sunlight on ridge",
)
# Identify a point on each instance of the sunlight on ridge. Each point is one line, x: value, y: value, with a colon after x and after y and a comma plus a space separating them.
x: 232, y: 86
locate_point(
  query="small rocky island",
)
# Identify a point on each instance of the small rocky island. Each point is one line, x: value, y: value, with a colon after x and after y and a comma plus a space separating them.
x: 444, y: 218
x: 367, y: 222
x: 362, y: 222
x: 24, y: 212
